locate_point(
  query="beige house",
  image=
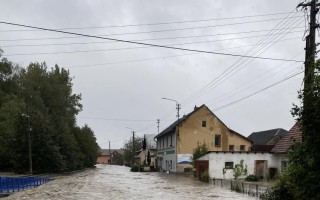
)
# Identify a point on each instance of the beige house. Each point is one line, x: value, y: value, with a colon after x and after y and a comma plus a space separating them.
x: 175, y: 144
x: 147, y: 155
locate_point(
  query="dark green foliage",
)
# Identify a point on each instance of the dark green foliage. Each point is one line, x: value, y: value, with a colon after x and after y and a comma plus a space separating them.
x: 200, y: 150
x: 205, y: 177
x: 302, y: 178
x: 129, y: 153
x: 46, y: 97
x: 134, y: 168
x: 252, y: 178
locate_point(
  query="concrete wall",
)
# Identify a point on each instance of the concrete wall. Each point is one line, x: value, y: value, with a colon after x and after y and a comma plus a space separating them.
x: 217, y: 162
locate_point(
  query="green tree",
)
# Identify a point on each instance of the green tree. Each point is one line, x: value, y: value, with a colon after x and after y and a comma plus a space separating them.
x: 129, y: 153
x: 302, y: 177
x: 200, y: 150
x: 46, y: 98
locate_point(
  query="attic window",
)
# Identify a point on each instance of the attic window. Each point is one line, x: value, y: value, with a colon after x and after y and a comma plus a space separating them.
x: 204, y: 123
x: 242, y: 147
x: 217, y: 140
x: 231, y: 147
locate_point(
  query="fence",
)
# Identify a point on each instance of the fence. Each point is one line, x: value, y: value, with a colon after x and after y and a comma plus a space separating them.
x: 12, y: 184
x: 251, y: 189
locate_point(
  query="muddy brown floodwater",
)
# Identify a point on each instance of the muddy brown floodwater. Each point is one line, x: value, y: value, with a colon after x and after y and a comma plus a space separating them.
x: 117, y: 182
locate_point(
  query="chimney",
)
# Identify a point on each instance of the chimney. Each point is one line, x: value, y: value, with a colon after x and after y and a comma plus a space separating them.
x: 195, y: 107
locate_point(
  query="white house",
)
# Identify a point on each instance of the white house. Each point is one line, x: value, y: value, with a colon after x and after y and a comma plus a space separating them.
x: 221, y: 164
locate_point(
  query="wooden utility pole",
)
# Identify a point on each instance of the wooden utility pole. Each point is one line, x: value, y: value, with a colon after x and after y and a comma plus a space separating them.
x: 133, y: 154
x: 158, y: 126
x: 110, y: 154
x: 310, y: 47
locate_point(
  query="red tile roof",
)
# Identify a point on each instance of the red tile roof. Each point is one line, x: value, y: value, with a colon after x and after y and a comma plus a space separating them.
x: 285, y: 143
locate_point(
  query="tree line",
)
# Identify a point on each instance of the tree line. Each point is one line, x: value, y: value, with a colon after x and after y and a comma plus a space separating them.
x: 40, y: 100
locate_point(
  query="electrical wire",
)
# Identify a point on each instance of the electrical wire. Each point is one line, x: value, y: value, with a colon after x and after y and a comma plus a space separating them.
x: 257, y: 92
x: 159, y: 23
x: 148, y: 44
x: 240, y: 60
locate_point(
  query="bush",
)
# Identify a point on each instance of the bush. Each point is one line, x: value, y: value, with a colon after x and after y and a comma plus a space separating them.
x: 134, y: 168
x: 252, y: 177
x: 205, y: 177
x: 281, y: 190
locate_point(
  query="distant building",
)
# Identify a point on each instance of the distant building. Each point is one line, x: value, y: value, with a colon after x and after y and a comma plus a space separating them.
x: 112, y: 156
x: 148, y: 152
x: 176, y: 143
x: 264, y: 141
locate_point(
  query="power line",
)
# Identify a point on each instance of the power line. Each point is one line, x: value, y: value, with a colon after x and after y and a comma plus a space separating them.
x: 147, y: 44
x: 159, y: 23
x: 85, y: 43
x: 163, y: 30
x: 116, y: 119
x: 181, y: 37
x: 163, y: 57
x: 241, y: 60
x: 257, y: 92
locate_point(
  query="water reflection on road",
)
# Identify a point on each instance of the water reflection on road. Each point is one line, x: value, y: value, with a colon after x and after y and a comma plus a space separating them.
x: 117, y: 182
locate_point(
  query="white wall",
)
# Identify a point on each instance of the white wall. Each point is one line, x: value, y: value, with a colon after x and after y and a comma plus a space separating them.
x: 217, y: 162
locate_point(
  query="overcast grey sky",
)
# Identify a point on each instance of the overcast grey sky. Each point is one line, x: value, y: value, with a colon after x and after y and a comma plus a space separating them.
x: 122, y: 84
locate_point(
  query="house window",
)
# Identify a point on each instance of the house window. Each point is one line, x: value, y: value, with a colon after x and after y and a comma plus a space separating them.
x: 231, y: 147
x: 242, y: 147
x: 170, y: 164
x: 171, y: 140
x: 162, y: 142
x: 167, y: 141
x: 204, y: 123
x: 228, y: 165
x: 217, y: 140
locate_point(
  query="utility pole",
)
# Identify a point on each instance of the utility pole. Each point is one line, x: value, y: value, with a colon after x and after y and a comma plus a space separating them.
x: 133, y: 154
x: 132, y: 144
x: 110, y: 153
x: 158, y: 126
x: 310, y: 47
x: 29, y: 139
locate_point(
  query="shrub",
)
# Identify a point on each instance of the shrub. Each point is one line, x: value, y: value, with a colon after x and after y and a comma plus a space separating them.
x: 134, y: 168
x: 252, y: 177
x: 205, y: 177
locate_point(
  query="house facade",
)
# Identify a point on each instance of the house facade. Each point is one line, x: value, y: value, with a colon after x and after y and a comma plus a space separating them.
x: 110, y: 156
x: 148, y: 154
x: 175, y: 144
x: 263, y: 164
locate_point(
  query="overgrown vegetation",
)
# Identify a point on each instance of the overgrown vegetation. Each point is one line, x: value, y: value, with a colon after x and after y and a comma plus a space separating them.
x: 134, y: 168
x: 200, y: 150
x: 205, y: 177
x: 239, y: 170
x: 41, y: 101
x: 129, y: 153
x: 252, y: 178
x: 302, y: 177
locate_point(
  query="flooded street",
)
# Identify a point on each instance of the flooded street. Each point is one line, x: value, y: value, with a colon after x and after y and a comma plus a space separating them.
x: 117, y: 182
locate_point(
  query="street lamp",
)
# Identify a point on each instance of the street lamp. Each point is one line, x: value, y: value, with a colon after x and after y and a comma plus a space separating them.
x: 132, y: 144
x: 178, y: 106
x: 29, y: 142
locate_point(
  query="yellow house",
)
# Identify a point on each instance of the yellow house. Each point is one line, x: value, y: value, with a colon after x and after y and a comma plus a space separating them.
x: 175, y: 144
